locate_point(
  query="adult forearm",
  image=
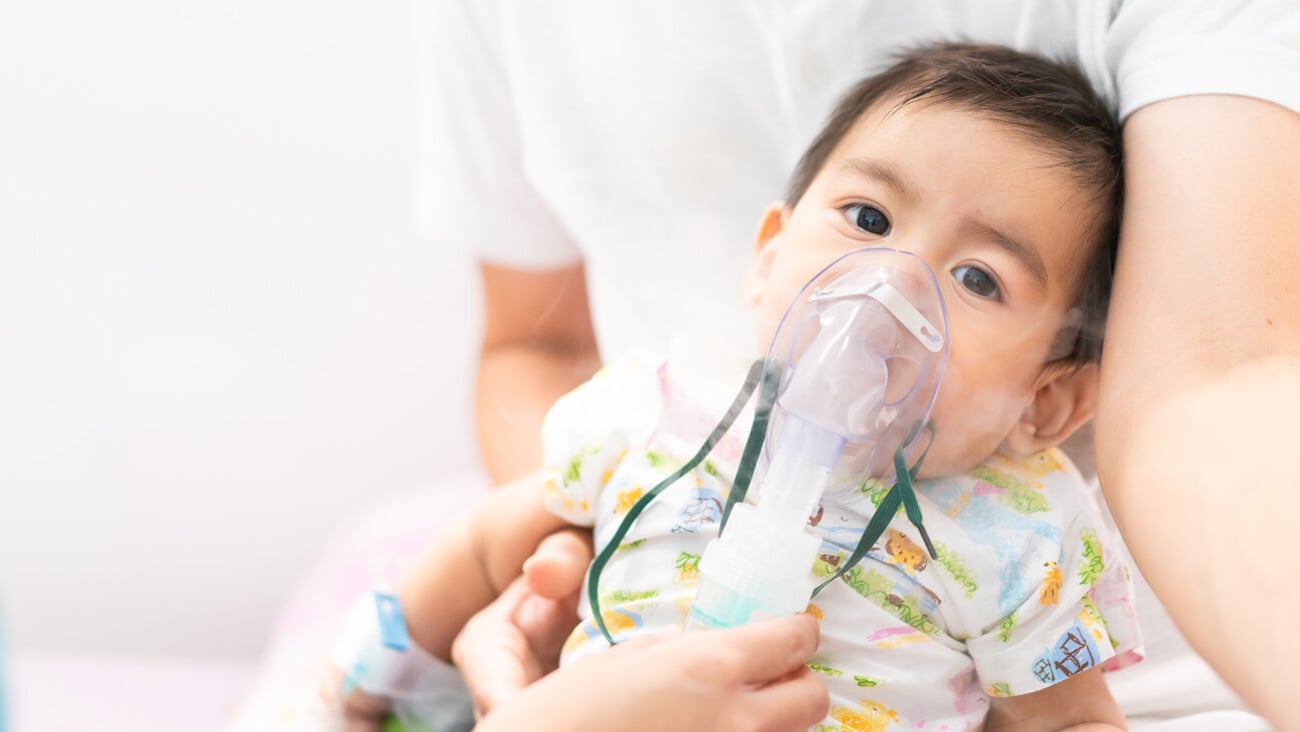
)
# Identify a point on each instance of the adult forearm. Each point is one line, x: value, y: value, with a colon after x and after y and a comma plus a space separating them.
x: 538, y: 343
x: 517, y: 384
x: 1206, y: 493
x: 1200, y: 396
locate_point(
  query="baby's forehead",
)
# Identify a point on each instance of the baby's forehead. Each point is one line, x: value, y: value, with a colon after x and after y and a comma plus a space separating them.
x: 897, y: 131
x: 1080, y: 157
x: 902, y: 111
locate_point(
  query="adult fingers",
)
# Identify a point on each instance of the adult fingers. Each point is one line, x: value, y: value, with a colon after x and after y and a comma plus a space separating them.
x: 495, y: 666
x: 556, y: 569
x: 547, y: 624
x: 772, y: 648
x: 498, y: 674
x: 756, y: 673
x: 651, y: 639
x: 794, y: 702
x: 492, y: 654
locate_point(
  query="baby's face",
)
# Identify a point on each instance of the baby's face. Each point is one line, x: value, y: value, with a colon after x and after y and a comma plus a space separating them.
x: 1002, y: 223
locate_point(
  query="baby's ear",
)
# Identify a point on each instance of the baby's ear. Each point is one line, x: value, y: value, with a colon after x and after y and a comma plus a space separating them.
x: 760, y: 266
x: 1065, y: 397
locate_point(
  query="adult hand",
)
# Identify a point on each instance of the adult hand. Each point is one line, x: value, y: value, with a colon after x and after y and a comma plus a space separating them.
x: 746, y: 679
x: 517, y: 639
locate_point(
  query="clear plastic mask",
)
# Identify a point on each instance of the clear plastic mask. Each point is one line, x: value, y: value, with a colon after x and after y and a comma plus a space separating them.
x: 862, y: 351
x: 848, y: 385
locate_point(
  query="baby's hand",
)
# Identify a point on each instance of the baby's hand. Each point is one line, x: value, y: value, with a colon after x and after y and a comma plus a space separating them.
x: 556, y: 569
x: 517, y: 639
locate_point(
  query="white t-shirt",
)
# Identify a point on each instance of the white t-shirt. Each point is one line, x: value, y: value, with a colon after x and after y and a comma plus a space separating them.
x: 645, y: 138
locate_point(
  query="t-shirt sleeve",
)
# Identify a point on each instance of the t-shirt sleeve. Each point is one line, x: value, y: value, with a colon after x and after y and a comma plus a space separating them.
x: 472, y: 190
x: 1079, y: 614
x: 589, y: 431
x: 1159, y: 49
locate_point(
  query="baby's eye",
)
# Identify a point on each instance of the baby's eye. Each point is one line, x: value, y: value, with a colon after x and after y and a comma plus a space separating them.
x: 977, y: 281
x: 868, y: 218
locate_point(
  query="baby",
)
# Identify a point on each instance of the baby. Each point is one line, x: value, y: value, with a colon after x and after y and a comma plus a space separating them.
x: 1001, y: 171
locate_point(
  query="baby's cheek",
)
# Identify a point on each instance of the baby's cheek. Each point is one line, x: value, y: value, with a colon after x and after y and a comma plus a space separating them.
x: 969, y: 426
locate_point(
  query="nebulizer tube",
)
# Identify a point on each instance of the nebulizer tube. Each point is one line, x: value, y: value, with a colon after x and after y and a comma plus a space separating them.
x: 763, y: 564
x: 862, y: 351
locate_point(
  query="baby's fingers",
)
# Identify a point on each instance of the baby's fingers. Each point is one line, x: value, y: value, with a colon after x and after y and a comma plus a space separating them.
x: 556, y: 569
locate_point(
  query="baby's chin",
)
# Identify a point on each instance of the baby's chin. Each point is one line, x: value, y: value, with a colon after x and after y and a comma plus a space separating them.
x: 941, y: 463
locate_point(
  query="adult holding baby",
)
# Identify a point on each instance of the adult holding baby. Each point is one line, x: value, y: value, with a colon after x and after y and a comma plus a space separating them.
x: 604, y: 163
x: 626, y: 145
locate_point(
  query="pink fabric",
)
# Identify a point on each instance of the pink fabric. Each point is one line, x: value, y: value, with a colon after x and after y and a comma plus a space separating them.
x: 373, y: 548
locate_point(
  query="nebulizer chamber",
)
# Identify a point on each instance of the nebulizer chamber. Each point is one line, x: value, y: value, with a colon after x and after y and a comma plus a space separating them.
x: 860, y: 353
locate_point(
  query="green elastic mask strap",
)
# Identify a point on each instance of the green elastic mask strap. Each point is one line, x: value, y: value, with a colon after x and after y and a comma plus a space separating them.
x: 908, y: 491
x: 902, y: 493
x: 756, y: 372
x: 754, y: 444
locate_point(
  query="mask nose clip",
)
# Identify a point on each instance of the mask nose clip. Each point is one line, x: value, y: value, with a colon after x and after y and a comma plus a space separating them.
x: 893, y: 301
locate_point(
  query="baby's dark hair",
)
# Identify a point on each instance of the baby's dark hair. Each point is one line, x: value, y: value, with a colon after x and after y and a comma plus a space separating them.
x: 1051, y: 101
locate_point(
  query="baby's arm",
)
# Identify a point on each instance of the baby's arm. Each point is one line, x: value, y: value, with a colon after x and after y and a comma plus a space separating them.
x: 1082, y: 703
x: 460, y: 573
x: 518, y: 638
x: 471, y: 563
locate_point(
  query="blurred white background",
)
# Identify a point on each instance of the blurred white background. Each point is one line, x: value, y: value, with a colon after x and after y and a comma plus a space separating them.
x: 220, y: 332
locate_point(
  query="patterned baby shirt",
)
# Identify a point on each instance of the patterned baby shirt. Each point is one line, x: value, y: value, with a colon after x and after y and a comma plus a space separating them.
x: 1029, y: 586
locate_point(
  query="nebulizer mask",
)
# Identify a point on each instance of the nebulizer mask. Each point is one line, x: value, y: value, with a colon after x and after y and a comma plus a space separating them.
x: 845, y: 394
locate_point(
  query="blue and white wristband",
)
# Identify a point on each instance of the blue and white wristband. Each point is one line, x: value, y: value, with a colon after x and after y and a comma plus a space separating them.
x: 378, y: 657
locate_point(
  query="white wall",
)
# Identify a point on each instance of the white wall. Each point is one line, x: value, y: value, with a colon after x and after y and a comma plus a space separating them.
x: 220, y: 334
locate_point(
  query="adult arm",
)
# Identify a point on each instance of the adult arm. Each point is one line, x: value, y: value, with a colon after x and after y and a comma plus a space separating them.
x: 538, y: 343
x: 746, y: 679
x: 473, y: 193
x: 1197, y: 420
